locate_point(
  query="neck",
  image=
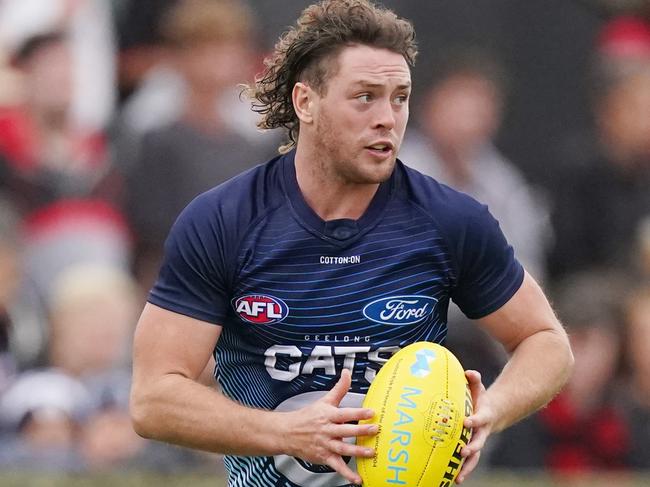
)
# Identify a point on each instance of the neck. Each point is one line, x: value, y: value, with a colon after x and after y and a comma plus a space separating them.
x: 327, y: 193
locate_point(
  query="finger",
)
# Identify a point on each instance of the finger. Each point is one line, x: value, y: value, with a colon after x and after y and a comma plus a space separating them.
x: 340, y: 389
x: 468, y: 467
x: 477, y: 390
x: 353, y: 430
x: 479, y: 437
x: 473, y: 376
x: 350, y: 449
x: 346, y: 415
x: 476, y: 420
x: 476, y: 386
x: 337, y: 463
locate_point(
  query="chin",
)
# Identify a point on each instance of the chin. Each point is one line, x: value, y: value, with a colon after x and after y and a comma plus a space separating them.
x: 385, y: 170
x: 377, y: 176
x: 360, y: 170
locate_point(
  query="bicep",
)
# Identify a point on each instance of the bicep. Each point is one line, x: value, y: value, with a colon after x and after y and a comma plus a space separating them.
x: 526, y: 313
x: 171, y: 343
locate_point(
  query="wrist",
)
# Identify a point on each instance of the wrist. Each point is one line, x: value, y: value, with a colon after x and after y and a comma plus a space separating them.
x: 278, y: 433
x: 497, y: 421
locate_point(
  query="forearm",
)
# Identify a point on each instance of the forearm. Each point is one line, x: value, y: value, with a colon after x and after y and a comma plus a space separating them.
x: 178, y: 410
x: 536, y: 371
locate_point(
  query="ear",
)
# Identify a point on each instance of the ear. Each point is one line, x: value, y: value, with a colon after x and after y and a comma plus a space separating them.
x: 303, y: 98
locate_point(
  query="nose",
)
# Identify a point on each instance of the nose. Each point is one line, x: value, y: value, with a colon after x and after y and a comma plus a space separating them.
x: 384, y: 115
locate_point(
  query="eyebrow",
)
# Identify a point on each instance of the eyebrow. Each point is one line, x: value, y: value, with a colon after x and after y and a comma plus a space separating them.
x: 370, y: 84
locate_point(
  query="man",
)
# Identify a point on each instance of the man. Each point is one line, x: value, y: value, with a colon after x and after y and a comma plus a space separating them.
x: 275, y: 269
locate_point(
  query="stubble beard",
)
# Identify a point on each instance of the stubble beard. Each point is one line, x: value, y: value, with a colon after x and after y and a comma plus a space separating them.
x: 337, y: 162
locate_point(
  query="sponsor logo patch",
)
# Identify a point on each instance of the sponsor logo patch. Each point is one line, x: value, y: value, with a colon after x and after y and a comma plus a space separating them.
x: 260, y: 309
x: 399, y: 310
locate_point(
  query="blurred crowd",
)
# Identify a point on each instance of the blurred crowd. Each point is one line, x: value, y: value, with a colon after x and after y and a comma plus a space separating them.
x: 115, y: 114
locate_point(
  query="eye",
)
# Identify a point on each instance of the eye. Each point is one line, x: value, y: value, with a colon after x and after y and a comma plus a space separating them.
x: 365, y: 98
x: 401, y: 99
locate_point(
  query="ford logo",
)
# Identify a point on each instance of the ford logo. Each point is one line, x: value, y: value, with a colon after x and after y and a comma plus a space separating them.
x: 399, y: 310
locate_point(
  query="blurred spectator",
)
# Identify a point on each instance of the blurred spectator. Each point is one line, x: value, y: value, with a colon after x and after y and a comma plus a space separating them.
x: 459, y: 118
x: 72, y: 415
x: 602, y: 194
x: 141, y: 45
x: 638, y: 386
x: 43, y: 409
x: 210, y: 42
x: 583, y: 429
x: 167, y: 82
x: 83, y: 392
x: 93, y: 313
x: 70, y: 232
x: 91, y: 304
x: 49, y: 421
x: 88, y: 24
x: 57, y: 237
x: 59, y: 175
x: 46, y: 157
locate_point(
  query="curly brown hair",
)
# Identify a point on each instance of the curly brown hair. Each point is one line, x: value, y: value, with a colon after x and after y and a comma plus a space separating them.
x: 308, y: 50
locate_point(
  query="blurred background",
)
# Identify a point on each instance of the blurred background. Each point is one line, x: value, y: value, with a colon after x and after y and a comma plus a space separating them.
x: 114, y: 114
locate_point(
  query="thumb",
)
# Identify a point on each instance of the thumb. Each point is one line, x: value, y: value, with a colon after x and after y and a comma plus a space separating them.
x: 475, y: 384
x: 340, y: 389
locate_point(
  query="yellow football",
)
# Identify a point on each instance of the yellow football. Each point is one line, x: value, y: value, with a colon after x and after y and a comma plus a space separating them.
x: 420, y: 398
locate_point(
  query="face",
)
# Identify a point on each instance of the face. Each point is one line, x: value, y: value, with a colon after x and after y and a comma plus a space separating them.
x: 360, y: 119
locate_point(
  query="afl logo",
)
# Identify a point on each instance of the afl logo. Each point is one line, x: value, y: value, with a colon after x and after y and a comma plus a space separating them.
x: 261, y: 309
x: 399, y: 310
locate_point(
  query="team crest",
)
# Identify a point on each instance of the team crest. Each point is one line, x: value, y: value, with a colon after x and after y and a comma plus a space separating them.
x: 260, y: 309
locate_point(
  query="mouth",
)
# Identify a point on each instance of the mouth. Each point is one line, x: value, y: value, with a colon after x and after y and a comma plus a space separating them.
x: 382, y: 147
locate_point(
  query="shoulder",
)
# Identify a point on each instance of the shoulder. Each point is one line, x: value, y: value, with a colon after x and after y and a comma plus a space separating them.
x: 464, y: 222
x: 208, y: 232
x: 447, y: 206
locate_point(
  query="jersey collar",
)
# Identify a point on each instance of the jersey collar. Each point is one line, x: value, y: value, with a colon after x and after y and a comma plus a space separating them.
x: 341, y: 230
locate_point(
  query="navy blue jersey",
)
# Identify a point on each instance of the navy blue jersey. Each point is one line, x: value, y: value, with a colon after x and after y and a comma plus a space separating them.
x: 300, y: 298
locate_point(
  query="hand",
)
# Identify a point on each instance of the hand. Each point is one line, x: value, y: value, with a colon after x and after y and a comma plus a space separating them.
x: 316, y: 431
x: 481, y: 421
